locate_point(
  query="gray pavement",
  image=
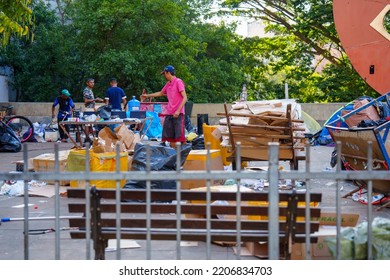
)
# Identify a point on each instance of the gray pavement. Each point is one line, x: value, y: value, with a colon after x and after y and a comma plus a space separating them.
x: 42, y: 246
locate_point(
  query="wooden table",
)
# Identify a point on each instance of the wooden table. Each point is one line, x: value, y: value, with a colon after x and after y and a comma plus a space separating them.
x: 86, y: 125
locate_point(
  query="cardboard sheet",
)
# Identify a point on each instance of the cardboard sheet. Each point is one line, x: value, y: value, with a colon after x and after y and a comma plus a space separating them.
x: 124, y: 244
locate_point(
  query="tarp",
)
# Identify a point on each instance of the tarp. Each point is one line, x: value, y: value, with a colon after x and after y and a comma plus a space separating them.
x: 323, y: 137
x: 311, y: 124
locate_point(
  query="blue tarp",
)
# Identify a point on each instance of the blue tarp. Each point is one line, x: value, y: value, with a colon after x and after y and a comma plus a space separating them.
x: 323, y: 137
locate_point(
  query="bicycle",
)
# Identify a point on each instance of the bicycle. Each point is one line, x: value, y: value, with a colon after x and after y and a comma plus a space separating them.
x: 21, y: 125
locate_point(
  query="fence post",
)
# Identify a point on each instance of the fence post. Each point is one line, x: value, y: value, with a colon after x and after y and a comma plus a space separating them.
x: 273, y: 198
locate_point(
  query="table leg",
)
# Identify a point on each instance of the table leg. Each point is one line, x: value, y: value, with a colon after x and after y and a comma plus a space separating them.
x: 66, y: 132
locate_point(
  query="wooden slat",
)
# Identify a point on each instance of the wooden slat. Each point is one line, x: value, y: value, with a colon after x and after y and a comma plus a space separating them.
x: 193, y: 223
x: 191, y: 209
x: 260, y: 117
x: 165, y: 195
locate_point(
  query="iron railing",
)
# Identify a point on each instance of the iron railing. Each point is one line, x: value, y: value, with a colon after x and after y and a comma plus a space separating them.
x: 273, y: 175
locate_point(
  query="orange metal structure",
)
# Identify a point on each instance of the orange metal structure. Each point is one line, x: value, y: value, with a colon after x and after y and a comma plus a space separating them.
x: 359, y: 24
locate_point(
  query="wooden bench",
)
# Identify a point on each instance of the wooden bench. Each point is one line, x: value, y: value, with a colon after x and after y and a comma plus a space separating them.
x: 262, y: 129
x: 133, y: 218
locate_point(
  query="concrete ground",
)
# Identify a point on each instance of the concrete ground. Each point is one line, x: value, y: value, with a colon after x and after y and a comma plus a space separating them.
x: 41, y: 247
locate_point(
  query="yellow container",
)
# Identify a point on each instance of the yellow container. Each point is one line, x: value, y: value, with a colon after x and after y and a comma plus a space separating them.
x: 99, y: 162
x: 197, y: 160
x: 46, y: 163
x: 215, y: 143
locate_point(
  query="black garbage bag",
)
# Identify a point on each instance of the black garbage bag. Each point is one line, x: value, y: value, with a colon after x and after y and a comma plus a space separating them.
x: 9, y: 142
x: 197, y: 143
x: 162, y: 158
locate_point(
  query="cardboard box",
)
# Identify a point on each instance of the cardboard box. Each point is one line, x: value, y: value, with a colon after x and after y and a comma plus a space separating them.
x: 347, y: 220
x: 125, y: 134
x: 257, y: 249
x: 319, y: 250
x: 197, y: 160
x: 110, y: 139
x: 46, y: 163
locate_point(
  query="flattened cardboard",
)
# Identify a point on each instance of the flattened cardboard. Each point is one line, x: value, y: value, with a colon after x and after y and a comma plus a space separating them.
x: 347, y: 220
x: 319, y: 250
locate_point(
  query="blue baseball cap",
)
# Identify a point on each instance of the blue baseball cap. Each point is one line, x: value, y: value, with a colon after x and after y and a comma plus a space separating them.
x: 169, y: 69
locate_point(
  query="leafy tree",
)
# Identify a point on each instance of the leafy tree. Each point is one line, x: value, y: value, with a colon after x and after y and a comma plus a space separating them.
x: 134, y: 40
x: 129, y: 40
x: 40, y: 69
x: 304, y: 32
x: 15, y: 18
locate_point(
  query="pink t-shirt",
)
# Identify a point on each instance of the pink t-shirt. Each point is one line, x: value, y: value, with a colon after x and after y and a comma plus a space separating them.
x: 172, y: 90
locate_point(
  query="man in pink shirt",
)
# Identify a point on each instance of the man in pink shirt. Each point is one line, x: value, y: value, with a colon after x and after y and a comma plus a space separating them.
x: 174, y: 90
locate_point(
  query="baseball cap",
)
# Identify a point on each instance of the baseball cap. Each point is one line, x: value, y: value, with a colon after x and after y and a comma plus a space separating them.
x: 169, y: 69
x: 65, y: 92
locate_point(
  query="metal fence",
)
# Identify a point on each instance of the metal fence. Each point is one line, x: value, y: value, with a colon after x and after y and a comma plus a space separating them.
x: 273, y: 175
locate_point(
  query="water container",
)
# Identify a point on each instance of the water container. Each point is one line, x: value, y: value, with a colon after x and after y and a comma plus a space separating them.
x: 133, y: 105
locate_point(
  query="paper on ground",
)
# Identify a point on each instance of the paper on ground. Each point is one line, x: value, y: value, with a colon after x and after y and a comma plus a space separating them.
x: 124, y: 244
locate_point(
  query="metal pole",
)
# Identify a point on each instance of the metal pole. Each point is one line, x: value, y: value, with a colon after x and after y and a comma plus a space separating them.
x: 57, y: 203
x: 273, y: 198
x: 286, y: 90
x: 26, y: 212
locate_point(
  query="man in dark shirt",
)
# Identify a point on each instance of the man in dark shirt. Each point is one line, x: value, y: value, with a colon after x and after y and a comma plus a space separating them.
x: 66, y: 107
x: 115, y: 96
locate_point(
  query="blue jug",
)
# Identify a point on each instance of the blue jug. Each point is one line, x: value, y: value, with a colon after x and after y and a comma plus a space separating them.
x: 133, y: 105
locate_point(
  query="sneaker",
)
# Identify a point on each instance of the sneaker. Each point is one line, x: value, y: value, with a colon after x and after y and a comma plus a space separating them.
x: 64, y: 141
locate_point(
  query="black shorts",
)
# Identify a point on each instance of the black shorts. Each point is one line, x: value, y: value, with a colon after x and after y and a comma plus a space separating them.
x: 173, y: 129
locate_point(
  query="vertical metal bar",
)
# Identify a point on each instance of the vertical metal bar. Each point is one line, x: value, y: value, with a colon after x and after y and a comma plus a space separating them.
x: 208, y: 204
x: 87, y: 203
x: 273, y: 198
x: 57, y: 203
x: 238, y: 202
x: 369, y: 203
x: 338, y: 203
x: 148, y: 205
x: 117, y: 203
x: 26, y: 200
x: 178, y: 202
x: 307, y: 205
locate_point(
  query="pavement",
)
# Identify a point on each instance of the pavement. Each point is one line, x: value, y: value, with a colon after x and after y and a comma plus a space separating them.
x: 42, y: 246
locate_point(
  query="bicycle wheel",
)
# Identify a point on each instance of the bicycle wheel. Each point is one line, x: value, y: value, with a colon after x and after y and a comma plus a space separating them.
x: 22, y: 127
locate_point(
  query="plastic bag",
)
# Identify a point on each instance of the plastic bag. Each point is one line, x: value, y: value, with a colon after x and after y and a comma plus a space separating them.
x: 9, y: 142
x: 155, y: 127
x: 161, y: 159
x: 198, y: 143
x: 354, y: 241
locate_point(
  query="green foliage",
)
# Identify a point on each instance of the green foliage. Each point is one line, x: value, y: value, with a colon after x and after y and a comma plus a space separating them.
x: 134, y: 40
x: 304, y: 32
x: 40, y: 69
x: 15, y: 18
x: 129, y: 40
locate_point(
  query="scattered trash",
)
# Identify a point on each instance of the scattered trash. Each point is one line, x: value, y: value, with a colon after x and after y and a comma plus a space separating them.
x: 362, y: 197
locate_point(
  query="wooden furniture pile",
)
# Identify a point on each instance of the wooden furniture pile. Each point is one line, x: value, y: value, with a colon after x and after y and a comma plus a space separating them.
x: 255, y: 124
